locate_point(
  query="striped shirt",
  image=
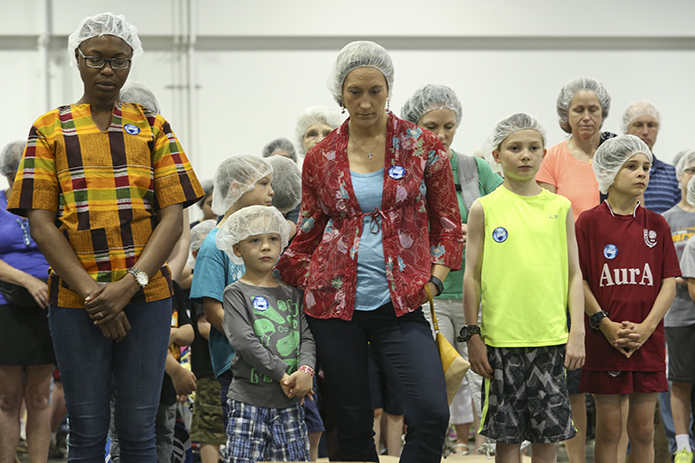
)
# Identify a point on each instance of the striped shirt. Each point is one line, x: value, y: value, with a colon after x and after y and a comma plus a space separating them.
x: 663, y: 191
x: 106, y: 188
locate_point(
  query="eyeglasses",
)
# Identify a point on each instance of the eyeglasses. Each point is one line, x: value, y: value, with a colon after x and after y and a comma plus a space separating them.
x: 97, y: 62
x: 27, y: 241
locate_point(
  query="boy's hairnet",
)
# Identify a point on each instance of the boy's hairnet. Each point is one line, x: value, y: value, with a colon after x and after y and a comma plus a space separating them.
x: 639, y: 109
x: 234, y: 177
x: 250, y: 221
x: 10, y: 156
x: 287, y: 183
x: 503, y: 129
x: 429, y: 98
x: 575, y: 86
x: 513, y: 124
x: 199, y: 232
x: 686, y: 160
x: 135, y: 92
x: 690, y: 196
x: 283, y: 144
x: 104, y: 24
x: 612, y: 155
x: 311, y: 116
x: 359, y: 54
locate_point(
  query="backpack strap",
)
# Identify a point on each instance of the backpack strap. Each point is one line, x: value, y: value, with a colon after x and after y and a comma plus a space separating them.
x: 468, y: 179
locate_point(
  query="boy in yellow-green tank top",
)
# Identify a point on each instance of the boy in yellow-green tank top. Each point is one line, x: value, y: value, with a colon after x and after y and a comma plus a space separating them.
x: 522, y: 262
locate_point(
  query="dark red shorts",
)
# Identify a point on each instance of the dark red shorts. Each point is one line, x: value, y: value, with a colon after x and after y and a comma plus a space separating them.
x: 624, y: 382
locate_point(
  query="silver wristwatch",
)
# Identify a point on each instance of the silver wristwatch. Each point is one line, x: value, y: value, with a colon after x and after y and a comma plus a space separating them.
x: 140, y: 277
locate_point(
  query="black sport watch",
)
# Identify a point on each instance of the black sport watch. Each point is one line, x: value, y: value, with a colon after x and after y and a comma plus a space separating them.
x: 595, y: 320
x: 467, y: 332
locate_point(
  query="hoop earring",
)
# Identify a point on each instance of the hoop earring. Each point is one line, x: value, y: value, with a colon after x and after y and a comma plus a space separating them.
x: 388, y: 105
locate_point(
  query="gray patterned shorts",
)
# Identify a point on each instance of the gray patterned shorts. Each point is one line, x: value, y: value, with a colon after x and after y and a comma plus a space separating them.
x: 527, y: 398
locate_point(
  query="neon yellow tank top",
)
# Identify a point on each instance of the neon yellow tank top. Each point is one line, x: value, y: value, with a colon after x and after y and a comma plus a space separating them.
x: 525, y: 274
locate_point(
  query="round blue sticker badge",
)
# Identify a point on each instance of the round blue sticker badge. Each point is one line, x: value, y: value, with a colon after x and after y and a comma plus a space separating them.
x: 131, y: 129
x: 499, y: 234
x: 397, y: 172
x: 610, y: 251
x: 260, y: 303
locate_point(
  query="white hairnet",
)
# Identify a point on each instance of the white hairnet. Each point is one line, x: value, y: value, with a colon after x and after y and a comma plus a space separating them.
x: 251, y: 221
x: 690, y: 194
x: 355, y: 55
x: 679, y: 155
x: 429, y: 98
x: 135, y: 92
x: 10, y: 156
x: 638, y: 109
x: 612, y: 155
x: 199, y: 232
x: 207, y: 186
x: 104, y: 24
x: 575, y: 86
x: 234, y: 177
x: 287, y: 183
x: 513, y: 124
x: 311, y: 116
x: 686, y: 160
x: 283, y: 144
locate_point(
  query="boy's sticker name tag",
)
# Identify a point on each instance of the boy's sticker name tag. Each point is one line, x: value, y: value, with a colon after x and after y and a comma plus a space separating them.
x: 260, y: 303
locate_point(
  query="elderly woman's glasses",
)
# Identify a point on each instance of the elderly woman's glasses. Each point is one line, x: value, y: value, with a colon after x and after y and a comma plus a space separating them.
x: 97, y: 62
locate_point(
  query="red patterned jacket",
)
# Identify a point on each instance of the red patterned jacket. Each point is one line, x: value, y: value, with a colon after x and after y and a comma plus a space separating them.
x: 420, y: 222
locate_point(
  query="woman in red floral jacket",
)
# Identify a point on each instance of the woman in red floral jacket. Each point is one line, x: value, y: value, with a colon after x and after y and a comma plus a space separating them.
x: 379, y: 221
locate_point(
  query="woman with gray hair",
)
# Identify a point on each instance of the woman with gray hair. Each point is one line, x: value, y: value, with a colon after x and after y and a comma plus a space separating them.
x: 26, y: 350
x: 313, y: 125
x: 379, y: 227
x: 582, y: 106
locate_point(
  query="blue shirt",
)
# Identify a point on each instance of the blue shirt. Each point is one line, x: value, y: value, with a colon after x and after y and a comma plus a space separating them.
x: 17, y: 249
x: 372, y: 288
x: 663, y: 191
x: 214, y: 271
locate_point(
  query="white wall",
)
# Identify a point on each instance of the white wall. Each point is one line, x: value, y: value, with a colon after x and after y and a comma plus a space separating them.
x: 257, y: 64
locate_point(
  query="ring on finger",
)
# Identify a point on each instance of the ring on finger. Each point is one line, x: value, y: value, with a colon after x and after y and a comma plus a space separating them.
x: 101, y: 314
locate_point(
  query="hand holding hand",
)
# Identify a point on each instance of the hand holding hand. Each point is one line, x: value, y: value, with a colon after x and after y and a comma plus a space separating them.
x: 117, y: 328
x: 109, y: 300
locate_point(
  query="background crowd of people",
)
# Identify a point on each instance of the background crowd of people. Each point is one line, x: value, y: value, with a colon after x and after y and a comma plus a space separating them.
x: 376, y: 218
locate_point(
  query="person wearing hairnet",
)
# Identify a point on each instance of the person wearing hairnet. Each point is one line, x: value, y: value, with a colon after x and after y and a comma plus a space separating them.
x: 629, y: 266
x: 106, y: 226
x: 239, y: 181
x: 280, y: 147
x: 437, y: 108
x: 679, y: 322
x: 205, y: 204
x: 642, y: 119
x: 379, y: 223
x: 313, y: 125
x: 26, y: 351
x: 582, y: 106
x: 287, y: 186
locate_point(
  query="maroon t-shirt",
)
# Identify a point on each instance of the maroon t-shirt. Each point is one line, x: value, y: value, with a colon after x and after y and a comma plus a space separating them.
x: 623, y: 259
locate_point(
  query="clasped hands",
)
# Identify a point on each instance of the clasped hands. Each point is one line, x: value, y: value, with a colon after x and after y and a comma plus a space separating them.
x: 627, y: 337
x: 105, y: 307
x: 298, y: 384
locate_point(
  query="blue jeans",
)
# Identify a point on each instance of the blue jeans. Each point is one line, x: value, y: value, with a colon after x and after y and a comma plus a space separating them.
x: 404, y: 348
x: 88, y: 362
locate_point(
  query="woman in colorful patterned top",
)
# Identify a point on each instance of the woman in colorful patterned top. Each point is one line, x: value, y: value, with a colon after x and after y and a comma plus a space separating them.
x: 379, y: 221
x: 103, y: 184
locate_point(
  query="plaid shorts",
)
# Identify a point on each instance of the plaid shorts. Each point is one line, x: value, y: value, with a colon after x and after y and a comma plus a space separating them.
x: 257, y: 433
x: 527, y: 398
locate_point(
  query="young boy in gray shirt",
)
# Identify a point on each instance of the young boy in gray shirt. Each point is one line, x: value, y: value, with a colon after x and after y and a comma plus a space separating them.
x: 275, y: 352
